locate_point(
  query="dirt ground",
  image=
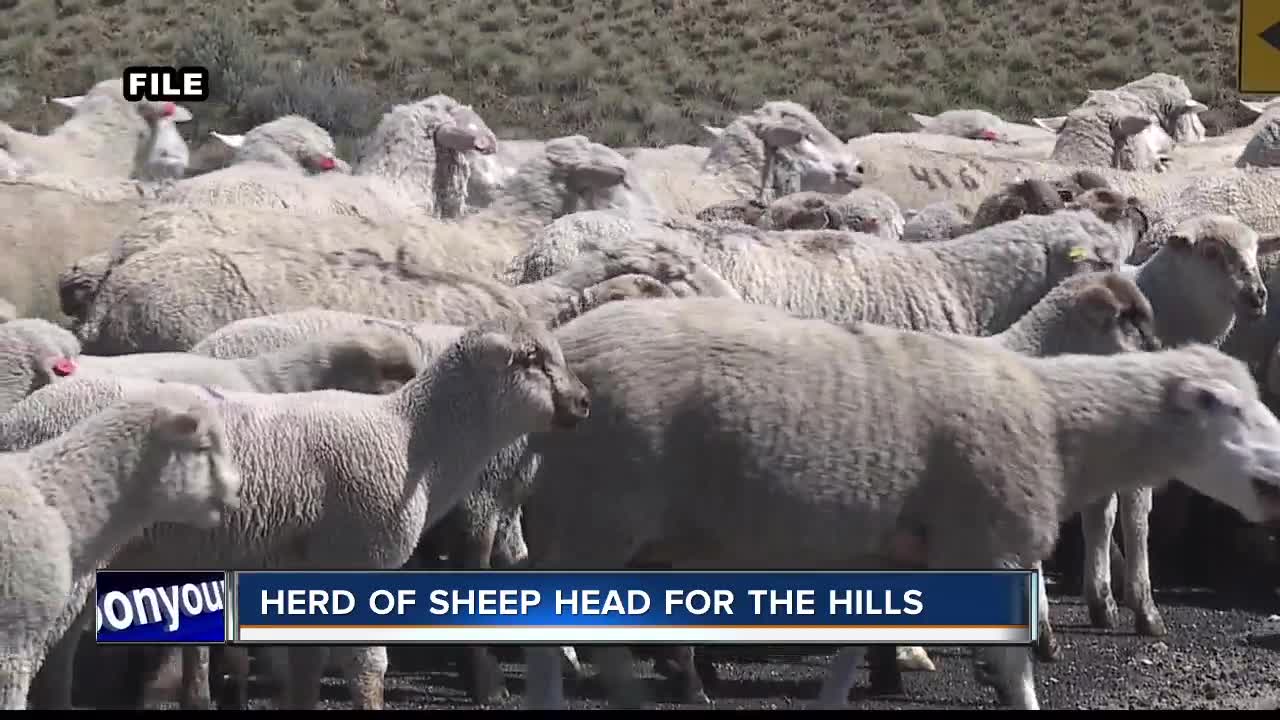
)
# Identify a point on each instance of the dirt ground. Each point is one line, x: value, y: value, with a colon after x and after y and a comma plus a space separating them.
x: 1217, y: 655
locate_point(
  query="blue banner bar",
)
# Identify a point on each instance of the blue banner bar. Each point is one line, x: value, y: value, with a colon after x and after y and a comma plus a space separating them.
x: 161, y: 607
x: 964, y: 607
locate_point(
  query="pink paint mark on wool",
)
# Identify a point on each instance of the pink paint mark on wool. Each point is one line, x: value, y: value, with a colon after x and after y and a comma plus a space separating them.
x: 63, y: 367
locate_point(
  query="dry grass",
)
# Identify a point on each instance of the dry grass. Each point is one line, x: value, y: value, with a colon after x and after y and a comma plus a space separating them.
x: 641, y: 72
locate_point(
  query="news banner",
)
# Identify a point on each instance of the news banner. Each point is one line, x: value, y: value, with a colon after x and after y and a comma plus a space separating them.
x: 566, y: 608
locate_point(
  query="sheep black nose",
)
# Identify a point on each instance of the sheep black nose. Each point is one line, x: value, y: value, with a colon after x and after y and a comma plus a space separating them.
x: 1254, y: 298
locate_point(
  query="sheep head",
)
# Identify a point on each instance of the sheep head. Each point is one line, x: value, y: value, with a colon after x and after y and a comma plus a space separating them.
x: 1121, y: 317
x: 795, y: 151
x: 199, y: 481
x: 1228, y: 250
x: 1024, y: 197
x: 465, y: 131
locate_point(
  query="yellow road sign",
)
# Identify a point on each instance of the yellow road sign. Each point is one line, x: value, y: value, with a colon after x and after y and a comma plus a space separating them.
x: 1259, y: 68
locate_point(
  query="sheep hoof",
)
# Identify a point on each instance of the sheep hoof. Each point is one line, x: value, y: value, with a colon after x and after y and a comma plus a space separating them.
x: 914, y: 659
x: 1104, y: 614
x: 1046, y: 648
x: 1149, y: 623
x: 697, y: 697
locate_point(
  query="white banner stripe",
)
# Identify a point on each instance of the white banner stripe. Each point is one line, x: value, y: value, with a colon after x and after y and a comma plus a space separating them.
x: 566, y: 635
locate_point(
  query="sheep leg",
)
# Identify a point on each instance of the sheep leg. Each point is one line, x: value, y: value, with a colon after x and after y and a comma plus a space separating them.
x: 195, y: 679
x: 884, y: 671
x: 233, y: 678
x: 52, y: 685
x: 1098, y: 521
x: 1012, y: 671
x: 306, y: 669
x: 841, y: 674
x: 481, y: 674
x: 617, y: 672
x: 1135, y: 511
x: 682, y: 668
x: 365, y: 669
x: 1046, y: 647
x: 16, y: 673
x: 544, y: 683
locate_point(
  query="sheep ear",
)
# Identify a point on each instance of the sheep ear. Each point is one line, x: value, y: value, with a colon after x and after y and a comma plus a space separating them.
x: 1129, y: 125
x: 1268, y: 244
x: 71, y: 102
x: 922, y: 120
x: 713, y: 131
x: 1254, y: 105
x: 781, y: 134
x: 180, y: 427
x: 181, y: 114
x: 1100, y: 305
x: 231, y: 141
x: 1052, y: 124
x: 1195, y: 106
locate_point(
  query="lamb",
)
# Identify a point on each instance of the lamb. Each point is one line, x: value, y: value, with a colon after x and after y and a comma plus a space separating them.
x: 777, y: 149
x: 168, y: 298
x: 1199, y: 406
x: 159, y: 455
x: 507, y: 372
x: 164, y: 154
x: 98, y: 140
x: 978, y: 284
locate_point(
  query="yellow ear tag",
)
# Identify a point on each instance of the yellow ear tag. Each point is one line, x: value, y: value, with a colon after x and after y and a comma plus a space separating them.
x: 1077, y: 254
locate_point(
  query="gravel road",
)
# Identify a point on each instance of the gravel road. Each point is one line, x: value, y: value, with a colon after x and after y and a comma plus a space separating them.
x: 1215, y: 657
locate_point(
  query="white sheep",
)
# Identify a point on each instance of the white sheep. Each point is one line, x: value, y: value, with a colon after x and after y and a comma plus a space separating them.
x: 1203, y: 279
x: 977, y: 284
x: 916, y: 176
x: 1008, y: 456
x: 506, y: 377
x: 1094, y: 313
x: 363, y: 360
x: 169, y: 297
x: 161, y: 455
x: 99, y: 140
x: 969, y: 123
x: 779, y: 148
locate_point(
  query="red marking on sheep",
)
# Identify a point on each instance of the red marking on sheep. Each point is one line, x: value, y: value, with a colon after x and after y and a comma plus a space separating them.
x: 169, y: 109
x: 991, y: 135
x: 327, y: 163
x: 63, y: 367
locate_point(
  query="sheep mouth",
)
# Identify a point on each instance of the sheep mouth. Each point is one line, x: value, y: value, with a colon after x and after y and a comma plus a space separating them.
x: 1268, y: 496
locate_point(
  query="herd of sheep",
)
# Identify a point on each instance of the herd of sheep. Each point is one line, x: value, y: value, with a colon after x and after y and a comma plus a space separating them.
x: 783, y: 350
